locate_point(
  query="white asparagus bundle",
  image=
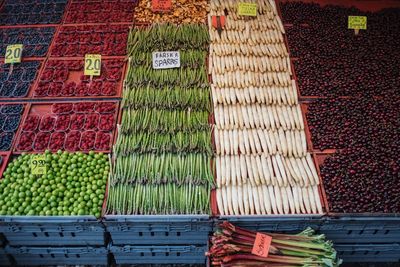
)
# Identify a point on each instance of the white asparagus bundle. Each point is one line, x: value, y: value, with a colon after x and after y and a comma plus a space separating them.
x: 262, y: 163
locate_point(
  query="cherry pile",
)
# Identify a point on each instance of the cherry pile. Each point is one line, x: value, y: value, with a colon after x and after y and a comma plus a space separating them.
x: 57, y: 79
x: 10, y: 116
x: 333, y: 61
x: 344, y: 123
x: 87, y: 11
x: 32, y: 12
x: 17, y: 83
x: 80, y: 126
x: 361, y: 180
x: 74, y: 41
x: 36, y: 41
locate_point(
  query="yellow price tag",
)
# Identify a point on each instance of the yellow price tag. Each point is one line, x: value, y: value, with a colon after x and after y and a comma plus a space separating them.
x: 92, y: 65
x: 358, y: 22
x: 13, y: 54
x: 38, y: 164
x: 247, y: 9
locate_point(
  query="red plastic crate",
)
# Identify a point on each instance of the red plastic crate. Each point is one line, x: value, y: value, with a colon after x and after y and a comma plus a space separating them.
x: 65, y: 78
x: 78, y: 40
x: 97, y: 11
x: 71, y: 126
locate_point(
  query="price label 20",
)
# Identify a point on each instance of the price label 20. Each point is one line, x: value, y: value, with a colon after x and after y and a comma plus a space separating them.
x: 92, y: 65
x: 38, y: 165
x: 13, y: 54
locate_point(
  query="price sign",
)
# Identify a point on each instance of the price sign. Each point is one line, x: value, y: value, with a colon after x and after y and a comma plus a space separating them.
x: 247, y: 9
x: 92, y: 65
x: 358, y: 22
x: 38, y: 164
x: 13, y: 54
x: 261, y: 245
x: 166, y: 60
x: 161, y: 5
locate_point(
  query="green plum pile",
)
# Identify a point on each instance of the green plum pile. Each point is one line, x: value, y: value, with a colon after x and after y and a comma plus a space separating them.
x: 74, y: 184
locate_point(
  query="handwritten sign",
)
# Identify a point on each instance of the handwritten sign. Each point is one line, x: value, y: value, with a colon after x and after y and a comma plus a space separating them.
x: 166, y: 60
x: 38, y: 164
x: 92, y: 65
x: 261, y: 245
x: 358, y: 22
x: 13, y: 54
x: 247, y: 9
x: 161, y: 5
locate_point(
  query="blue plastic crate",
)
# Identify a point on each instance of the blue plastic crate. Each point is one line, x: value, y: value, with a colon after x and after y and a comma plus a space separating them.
x: 4, y: 259
x: 284, y: 224
x: 159, y: 254
x: 369, y: 252
x: 159, y: 229
x: 58, y: 256
x: 352, y: 230
x: 52, y: 230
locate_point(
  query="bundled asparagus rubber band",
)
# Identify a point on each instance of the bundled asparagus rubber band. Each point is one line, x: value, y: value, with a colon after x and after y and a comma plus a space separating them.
x: 262, y: 163
x: 232, y: 246
x: 163, y: 152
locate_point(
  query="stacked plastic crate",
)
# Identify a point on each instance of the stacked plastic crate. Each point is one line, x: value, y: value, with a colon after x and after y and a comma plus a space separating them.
x: 60, y: 109
x: 348, y: 91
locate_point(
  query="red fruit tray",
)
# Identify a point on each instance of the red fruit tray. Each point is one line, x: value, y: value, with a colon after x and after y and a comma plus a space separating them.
x: 71, y: 126
x: 371, y: 5
x: 97, y: 11
x: 322, y: 195
x: 78, y: 40
x: 65, y: 78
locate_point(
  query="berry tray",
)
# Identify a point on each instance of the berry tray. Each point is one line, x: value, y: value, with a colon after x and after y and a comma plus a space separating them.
x: 65, y: 78
x: 72, y: 126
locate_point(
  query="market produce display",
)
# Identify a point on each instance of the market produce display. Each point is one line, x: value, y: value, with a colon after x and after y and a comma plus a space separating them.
x: 333, y: 61
x: 262, y: 163
x: 16, y: 83
x: 65, y: 78
x: 10, y: 117
x: 163, y: 151
x: 32, y: 12
x: 73, y: 41
x: 232, y: 246
x: 87, y: 11
x: 80, y: 126
x: 182, y: 11
x: 35, y: 41
x: 74, y: 184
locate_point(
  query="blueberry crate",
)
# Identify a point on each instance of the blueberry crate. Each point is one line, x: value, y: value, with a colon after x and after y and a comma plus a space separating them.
x: 282, y: 224
x: 159, y: 254
x: 360, y: 229
x: 158, y: 229
x: 4, y: 258
x: 368, y: 253
x: 58, y: 256
x: 52, y: 230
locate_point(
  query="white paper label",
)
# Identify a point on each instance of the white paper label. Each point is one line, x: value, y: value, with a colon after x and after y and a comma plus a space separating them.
x: 166, y: 60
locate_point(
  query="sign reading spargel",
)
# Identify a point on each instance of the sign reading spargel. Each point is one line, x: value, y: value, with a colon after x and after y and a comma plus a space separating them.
x: 166, y: 60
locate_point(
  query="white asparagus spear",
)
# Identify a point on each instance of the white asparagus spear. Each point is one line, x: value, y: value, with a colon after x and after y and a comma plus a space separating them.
x: 261, y: 199
x: 312, y: 200
x: 296, y: 200
x: 243, y: 169
x: 238, y: 176
x: 300, y: 197
x: 245, y: 200
x: 256, y: 200
x: 307, y: 170
x: 220, y: 202
x: 255, y: 170
x: 250, y: 170
x: 240, y: 200
x: 235, y: 147
x: 246, y: 140
x: 251, y: 141
x: 263, y: 141
x: 230, y: 201
x: 298, y: 143
x: 228, y: 169
x: 250, y: 197
x: 257, y: 142
x: 317, y: 199
x: 241, y: 142
x: 226, y: 142
x: 221, y: 140
x: 306, y: 199
x: 285, y: 200
x: 281, y: 169
x: 225, y: 200
x: 299, y: 167
x: 311, y: 165
x: 267, y: 201
x: 265, y: 169
x: 235, y: 204
x: 217, y: 142
x: 278, y: 198
x: 282, y: 141
x: 289, y: 144
x: 303, y: 142
x: 218, y: 170
x: 231, y: 142
x: 232, y: 169
x: 272, y: 199
x: 276, y: 171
